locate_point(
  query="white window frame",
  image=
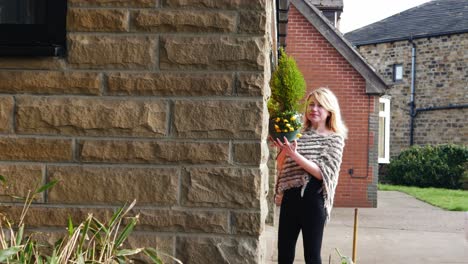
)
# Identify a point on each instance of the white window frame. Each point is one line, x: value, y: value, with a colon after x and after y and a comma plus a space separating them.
x: 386, y: 115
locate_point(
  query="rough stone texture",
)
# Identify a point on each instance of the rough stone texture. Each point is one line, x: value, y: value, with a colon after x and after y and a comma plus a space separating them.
x: 199, y: 250
x: 252, y: 22
x: 214, y: 53
x: 227, y: 4
x: 184, y: 21
x: 19, y: 180
x: 115, y: 3
x: 162, y: 243
x: 247, y: 223
x: 90, y: 185
x: 54, y: 216
x: 121, y: 52
x: 46, y: 63
x: 441, y: 80
x: 248, y: 84
x: 6, y: 114
x: 182, y: 221
x: 218, y: 119
x: 170, y: 84
x: 80, y: 116
x: 97, y: 20
x: 50, y: 82
x: 160, y: 152
x: 222, y: 187
x: 250, y: 153
x: 35, y: 149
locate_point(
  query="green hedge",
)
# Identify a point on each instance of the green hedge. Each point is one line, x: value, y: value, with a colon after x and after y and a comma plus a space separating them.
x: 442, y: 166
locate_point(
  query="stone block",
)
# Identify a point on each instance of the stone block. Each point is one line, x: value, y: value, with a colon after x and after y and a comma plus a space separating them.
x: 6, y: 114
x: 85, y: 116
x: 248, y: 84
x: 35, y: 149
x: 191, y: 21
x: 114, y: 3
x: 101, y: 20
x: 246, y: 223
x: 117, y: 52
x: 252, y: 22
x: 218, y: 119
x: 248, y: 153
x: 170, y: 84
x: 36, y: 63
x: 227, y: 4
x: 198, y: 250
x: 182, y: 221
x: 160, y: 152
x: 50, y: 82
x: 212, y: 53
x: 222, y: 187
x: 20, y: 179
x: 113, y: 185
x: 164, y: 244
x: 41, y: 216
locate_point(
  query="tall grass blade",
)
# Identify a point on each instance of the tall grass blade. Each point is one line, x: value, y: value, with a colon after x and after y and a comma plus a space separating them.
x: 71, y: 229
x: 126, y: 232
x: 153, y: 255
x: 46, y: 187
x: 5, y: 254
x: 2, y: 179
x: 128, y: 252
x: 19, y: 235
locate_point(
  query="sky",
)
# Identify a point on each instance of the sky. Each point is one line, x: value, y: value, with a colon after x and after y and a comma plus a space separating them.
x: 359, y: 13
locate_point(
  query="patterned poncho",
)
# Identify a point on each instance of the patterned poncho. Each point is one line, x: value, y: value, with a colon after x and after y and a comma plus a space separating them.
x: 326, y: 152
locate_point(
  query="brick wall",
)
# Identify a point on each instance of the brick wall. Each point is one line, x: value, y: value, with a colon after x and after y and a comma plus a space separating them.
x: 323, y: 66
x: 159, y: 101
x: 441, y: 80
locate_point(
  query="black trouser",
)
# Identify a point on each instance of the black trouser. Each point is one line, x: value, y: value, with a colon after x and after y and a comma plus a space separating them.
x: 298, y: 213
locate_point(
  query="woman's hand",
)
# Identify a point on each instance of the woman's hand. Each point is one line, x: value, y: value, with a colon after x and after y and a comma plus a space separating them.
x: 286, y: 147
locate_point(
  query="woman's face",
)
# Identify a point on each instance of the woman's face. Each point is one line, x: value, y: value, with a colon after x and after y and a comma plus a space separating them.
x: 316, y: 114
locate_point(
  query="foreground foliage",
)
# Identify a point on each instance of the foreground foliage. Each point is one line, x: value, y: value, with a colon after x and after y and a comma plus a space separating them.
x: 92, y: 241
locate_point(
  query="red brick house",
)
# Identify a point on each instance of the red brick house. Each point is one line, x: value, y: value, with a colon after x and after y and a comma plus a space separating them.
x: 327, y: 59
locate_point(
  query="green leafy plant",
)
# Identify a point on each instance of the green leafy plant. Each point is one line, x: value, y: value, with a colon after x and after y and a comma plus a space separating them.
x: 441, y: 166
x: 287, y: 89
x: 92, y: 241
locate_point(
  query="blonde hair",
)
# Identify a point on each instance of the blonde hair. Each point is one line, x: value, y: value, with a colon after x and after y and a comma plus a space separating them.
x: 330, y: 103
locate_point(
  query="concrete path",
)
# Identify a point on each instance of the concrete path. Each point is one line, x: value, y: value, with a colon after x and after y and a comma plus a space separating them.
x: 401, y: 230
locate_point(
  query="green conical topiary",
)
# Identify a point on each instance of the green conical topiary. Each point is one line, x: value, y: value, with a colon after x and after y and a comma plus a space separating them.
x: 287, y: 89
x: 287, y: 86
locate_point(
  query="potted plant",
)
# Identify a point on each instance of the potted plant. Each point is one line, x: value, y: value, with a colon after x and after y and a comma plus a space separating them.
x: 287, y: 89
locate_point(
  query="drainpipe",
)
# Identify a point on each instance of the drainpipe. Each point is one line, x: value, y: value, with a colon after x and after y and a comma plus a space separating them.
x: 413, y: 111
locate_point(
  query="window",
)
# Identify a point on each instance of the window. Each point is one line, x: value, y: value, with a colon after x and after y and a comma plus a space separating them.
x: 32, y: 27
x: 384, y: 130
x: 397, y: 72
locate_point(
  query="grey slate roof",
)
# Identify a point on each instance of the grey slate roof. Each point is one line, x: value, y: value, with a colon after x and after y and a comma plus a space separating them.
x: 434, y: 18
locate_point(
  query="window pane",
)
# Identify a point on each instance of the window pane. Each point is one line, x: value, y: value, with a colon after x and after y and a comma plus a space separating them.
x: 398, y: 72
x: 22, y: 11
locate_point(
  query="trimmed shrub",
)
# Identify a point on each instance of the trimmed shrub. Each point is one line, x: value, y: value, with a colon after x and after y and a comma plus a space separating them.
x: 441, y: 166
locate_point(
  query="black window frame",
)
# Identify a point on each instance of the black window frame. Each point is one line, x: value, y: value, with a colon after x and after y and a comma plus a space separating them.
x: 44, y: 40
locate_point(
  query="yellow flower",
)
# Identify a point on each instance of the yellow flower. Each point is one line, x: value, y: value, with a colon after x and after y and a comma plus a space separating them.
x: 291, y: 129
x: 288, y: 125
x: 276, y: 127
x: 285, y: 121
x: 299, y: 135
x: 277, y: 119
x: 293, y: 118
x: 278, y: 130
x: 285, y: 130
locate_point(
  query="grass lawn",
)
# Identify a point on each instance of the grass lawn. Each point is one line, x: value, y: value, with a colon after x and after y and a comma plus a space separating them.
x: 453, y: 200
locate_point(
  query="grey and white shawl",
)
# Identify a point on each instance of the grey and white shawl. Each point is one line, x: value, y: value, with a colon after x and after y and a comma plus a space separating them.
x: 326, y: 152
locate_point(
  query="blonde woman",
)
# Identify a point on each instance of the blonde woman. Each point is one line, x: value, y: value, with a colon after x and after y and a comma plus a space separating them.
x: 308, y: 175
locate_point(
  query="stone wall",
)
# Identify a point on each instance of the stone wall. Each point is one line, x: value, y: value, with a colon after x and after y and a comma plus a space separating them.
x: 441, y: 80
x: 158, y: 101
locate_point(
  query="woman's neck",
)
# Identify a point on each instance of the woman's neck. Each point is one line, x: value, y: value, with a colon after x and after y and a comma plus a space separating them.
x: 321, y: 129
